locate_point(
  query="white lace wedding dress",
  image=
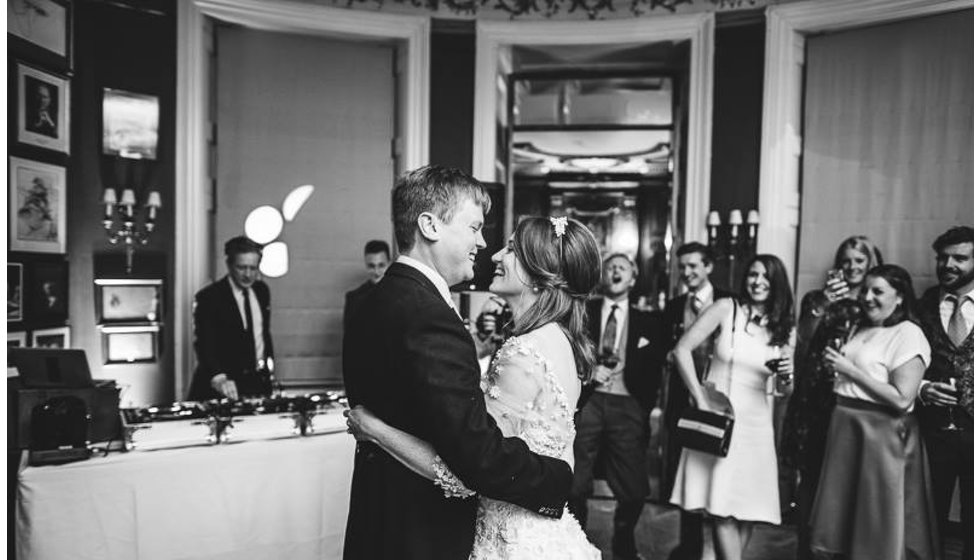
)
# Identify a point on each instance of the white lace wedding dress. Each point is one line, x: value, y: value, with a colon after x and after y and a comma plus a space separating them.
x: 526, y: 395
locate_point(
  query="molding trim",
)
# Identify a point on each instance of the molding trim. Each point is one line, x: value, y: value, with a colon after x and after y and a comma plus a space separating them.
x: 493, y: 36
x: 410, y: 33
x: 786, y: 30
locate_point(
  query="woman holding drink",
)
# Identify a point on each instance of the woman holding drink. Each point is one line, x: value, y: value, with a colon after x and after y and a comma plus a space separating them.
x: 873, y: 499
x: 741, y: 488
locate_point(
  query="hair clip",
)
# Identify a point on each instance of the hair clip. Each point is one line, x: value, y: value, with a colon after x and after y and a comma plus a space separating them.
x: 559, y: 224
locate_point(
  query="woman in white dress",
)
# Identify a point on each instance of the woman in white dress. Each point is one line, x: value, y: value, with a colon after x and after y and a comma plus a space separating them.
x: 545, y: 273
x: 740, y: 489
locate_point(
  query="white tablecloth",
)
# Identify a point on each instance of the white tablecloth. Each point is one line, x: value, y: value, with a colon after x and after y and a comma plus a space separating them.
x: 271, y: 499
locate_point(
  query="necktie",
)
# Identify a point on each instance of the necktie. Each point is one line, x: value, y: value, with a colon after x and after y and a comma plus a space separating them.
x: 608, y: 345
x: 249, y: 328
x: 696, y: 305
x: 957, y: 330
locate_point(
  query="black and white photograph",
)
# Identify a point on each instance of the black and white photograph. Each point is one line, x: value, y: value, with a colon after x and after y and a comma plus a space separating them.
x: 37, y: 217
x: 129, y: 301
x: 53, y: 338
x: 129, y: 344
x: 17, y: 339
x: 571, y: 279
x: 43, y: 24
x: 15, y: 292
x: 43, y: 109
x: 48, y: 291
x: 130, y: 124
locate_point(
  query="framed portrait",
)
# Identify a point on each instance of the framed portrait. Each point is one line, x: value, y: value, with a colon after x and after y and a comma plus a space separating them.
x: 47, y: 292
x: 130, y: 124
x: 15, y: 292
x: 41, y: 29
x: 128, y: 301
x: 58, y: 337
x: 16, y: 340
x: 42, y: 109
x: 129, y: 344
x: 37, y: 206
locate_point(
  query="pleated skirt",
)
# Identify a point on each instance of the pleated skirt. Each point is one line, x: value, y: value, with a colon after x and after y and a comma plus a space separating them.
x: 874, y: 499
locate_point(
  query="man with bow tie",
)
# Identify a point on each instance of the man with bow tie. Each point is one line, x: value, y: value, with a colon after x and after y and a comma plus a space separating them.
x: 614, y: 418
x: 696, y: 264
x: 946, y: 313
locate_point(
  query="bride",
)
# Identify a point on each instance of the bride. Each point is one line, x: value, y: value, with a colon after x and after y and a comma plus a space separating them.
x: 545, y: 273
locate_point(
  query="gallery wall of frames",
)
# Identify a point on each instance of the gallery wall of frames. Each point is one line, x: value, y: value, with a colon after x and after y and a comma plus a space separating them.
x: 91, y: 93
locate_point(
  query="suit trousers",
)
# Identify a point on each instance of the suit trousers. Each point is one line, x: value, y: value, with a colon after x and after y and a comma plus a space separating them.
x: 951, y: 458
x: 620, y: 428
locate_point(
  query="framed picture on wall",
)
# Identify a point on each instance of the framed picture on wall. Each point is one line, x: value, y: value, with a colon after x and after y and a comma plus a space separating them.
x: 37, y: 206
x: 15, y: 292
x: 130, y: 124
x: 128, y: 301
x: 16, y: 340
x: 58, y: 337
x: 41, y: 29
x: 48, y: 292
x: 129, y: 344
x: 42, y: 109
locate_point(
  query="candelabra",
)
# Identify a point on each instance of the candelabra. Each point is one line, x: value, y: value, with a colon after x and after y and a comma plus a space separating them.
x: 736, y: 241
x: 121, y: 224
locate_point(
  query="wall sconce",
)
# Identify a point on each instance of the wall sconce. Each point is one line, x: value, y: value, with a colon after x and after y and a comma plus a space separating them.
x: 120, y: 221
x: 738, y: 240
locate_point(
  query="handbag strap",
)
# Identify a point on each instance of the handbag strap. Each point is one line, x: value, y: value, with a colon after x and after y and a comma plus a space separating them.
x: 731, y: 343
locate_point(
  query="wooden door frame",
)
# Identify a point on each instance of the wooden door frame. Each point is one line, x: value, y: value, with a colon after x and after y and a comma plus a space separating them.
x: 787, y: 26
x: 193, y: 200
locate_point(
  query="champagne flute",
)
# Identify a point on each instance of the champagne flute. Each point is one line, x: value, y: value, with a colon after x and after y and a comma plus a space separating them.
x: 950, y: 410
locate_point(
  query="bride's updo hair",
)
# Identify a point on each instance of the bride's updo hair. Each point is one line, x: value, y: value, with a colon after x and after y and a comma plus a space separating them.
x: 563, y: 265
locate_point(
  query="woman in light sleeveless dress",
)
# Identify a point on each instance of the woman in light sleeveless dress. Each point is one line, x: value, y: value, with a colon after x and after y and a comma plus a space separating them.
x: 545, y: 273
x: 740, y: 489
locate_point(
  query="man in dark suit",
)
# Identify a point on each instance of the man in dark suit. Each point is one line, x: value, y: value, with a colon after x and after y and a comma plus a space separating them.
x: 409, y: 359
x: 377, y: 257
x: 232, y: 336
x: 696, y: 263
x: 614, y: 420
x: 946, y: 314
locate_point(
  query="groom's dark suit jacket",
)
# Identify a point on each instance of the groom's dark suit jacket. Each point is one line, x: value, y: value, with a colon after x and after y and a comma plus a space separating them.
x: 409, y: 359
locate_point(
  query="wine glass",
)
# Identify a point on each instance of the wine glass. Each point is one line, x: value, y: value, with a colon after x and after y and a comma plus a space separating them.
x: 950, y: 410
x: 777, y: 381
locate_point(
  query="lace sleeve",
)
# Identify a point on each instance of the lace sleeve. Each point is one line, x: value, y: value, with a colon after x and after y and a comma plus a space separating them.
x: 452, y: 487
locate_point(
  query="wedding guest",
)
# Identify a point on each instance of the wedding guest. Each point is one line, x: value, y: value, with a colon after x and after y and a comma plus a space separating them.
x: 736, y: 491
x: 695, y: 263
x: 825, y: 315
x: 377, y: 257
x: 873, y: 499
x: 946, y: 312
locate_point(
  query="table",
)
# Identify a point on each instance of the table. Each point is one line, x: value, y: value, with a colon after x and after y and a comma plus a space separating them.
x: 283, y: 498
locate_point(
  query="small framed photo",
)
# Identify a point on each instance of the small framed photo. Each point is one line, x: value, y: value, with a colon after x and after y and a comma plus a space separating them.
x: 130, y: 124
x: 37, y: 206
x: 58, y: 337
x: 41, y: 29
x: 42, y: 109
x: 48, y: 291
x: 128, y: 301
x: 16, y: 340
x: 15, y: 292
x: 129, y: 344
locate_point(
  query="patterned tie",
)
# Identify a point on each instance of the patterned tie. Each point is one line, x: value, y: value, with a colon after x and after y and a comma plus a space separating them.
x: 696, y: 305
x: 957, y: 329
x: 608, y: 346
x: 249, y: 326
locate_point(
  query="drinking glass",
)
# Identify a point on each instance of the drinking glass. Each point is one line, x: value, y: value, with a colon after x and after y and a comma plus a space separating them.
x: 950, y: 410
x: 777, y: 381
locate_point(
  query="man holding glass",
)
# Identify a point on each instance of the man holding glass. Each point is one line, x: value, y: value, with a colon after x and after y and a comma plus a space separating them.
x: 946, y: 312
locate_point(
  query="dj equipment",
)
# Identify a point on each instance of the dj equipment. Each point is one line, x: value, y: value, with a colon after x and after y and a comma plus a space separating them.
x: 55, y: 410
x: 218, y: 421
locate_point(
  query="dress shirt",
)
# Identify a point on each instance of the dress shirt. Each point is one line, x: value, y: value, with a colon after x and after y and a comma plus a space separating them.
x: 948, y: 302
x: 705, y: 297
x: 257, y: 325
x: 440, y: 283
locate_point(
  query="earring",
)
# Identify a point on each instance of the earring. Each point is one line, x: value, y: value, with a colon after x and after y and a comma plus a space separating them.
x: 535, y: 289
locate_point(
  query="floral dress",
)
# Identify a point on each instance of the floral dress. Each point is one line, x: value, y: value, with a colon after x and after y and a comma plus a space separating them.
x: 526, y: 398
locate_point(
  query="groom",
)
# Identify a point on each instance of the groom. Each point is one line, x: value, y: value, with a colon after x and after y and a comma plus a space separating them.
x: 409, y: 359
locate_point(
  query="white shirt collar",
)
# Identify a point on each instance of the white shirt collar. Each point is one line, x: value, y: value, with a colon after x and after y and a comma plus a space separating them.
x: 437, y: 280
x: 706, y: 293
x: 607, y: 304
x: 968, y: 295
